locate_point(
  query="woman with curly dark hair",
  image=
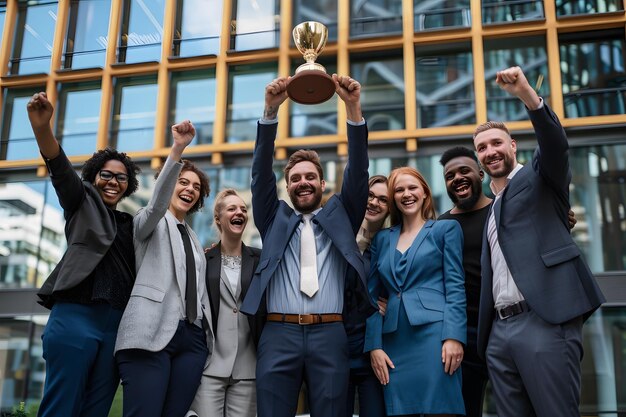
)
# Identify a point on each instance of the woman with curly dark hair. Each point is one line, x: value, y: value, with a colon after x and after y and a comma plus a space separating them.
x: 90, y: 287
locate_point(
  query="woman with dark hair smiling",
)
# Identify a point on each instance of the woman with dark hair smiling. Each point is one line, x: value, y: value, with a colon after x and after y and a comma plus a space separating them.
x: 89, y: 288
x: 165, y: 335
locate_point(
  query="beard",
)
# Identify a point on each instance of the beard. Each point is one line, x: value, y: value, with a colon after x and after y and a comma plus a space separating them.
x: 309, y: 204
x: 466, y: 203
x: 508, y: 164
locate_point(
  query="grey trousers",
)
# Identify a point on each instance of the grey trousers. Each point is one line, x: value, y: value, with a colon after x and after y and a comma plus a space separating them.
x: 534, y: 366
x: 226, y: 397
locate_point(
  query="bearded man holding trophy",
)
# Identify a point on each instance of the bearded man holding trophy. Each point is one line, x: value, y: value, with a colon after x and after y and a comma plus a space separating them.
x: 307, y: 249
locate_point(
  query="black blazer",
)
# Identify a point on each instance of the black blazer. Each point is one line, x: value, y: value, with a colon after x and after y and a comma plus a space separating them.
x: 90, y: 228
x: 249, y: 261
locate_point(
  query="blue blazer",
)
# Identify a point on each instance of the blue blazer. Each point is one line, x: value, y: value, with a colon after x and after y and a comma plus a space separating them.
x: 533, y: 232
x: 276, y: 220
x: 432, y: 291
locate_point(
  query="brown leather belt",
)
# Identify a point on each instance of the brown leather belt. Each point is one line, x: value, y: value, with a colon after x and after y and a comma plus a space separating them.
x: 304, y: 319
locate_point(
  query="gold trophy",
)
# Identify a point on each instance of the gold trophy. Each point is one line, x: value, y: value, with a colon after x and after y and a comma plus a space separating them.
x: 311, y: 84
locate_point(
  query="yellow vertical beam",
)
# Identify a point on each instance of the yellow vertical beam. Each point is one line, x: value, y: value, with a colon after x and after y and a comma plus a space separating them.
x: 284, y: 70
x: 163, y: 84
x: 63, y: 8
x: 554, y: 60
x: 478, y: 62
x: 107, y: 78
x: 10, y: 16
x: 221, y: 82
x: 408, y: 54
x: 343, y: 68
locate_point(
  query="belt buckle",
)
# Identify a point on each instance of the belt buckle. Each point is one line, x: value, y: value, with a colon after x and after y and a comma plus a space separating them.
x: 301, y: 318
x: 504, y: 317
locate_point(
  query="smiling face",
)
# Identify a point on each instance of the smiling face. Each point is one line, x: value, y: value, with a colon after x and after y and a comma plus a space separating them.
x: 496, y: 152
x: 463, y: 181
x: 232, y: 216
x: 305, y: 187
x: 111, y: 191
x: 377, y: 203
x: 408, y: 195
x: 186, y: 194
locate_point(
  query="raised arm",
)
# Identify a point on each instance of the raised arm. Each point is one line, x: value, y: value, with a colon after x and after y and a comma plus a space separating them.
x: 263, y: 186
x: 147, y: 218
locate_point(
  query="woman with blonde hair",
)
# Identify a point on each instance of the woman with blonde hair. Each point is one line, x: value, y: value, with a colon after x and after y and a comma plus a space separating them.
x: 228, y: 384
x: 417, y: 348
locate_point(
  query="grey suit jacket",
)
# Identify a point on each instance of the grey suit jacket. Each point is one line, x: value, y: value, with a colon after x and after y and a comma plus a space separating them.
x: 157, y: 301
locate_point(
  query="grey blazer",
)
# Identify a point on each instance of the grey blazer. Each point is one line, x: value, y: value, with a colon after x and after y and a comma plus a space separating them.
x: 156, y: 302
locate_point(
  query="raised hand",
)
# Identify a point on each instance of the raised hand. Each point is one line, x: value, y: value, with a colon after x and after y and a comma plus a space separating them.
x: 513, y: 81
x: 275, y: 95
x: 182, y: 133
x: 40, y: 111
x: 349, y: 90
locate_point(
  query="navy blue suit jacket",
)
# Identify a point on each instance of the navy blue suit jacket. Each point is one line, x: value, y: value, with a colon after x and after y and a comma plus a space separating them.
x: 276, y: 220
x: 533, y: 232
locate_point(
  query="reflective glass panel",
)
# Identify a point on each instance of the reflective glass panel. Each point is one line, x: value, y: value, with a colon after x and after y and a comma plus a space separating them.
x: 375, y: 18
x: 32, y: 239
x: 22, y: 368
x: 134, y: 108
x: 87, y: 33
x: 246, y: 99
x: 18, y: 141
x: 323, y: 11
x: 506, y: 11
x: 592, y: 73
x: 192, y: 97
x: 198, y: 27
x: 441, y: 14
x: 578, y: 7
x: 78, y: 115
x: 34, y: 32
x: 142, y: 31
x: 319, y: 119
x: 507, y: 52
x: 255, y: 24
x: 382, y: 97
x: 445, y: 86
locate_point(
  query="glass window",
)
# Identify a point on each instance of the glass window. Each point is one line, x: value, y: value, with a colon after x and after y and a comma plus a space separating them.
x: 18, y: 141
x: 444, y: 80
x: 246, y: 99
x: 255, y: 24
x: 87, y: 34
x: 323, y: 11
x: 578, y: 7
x: 506, y: 11
x: 593, y: 75
x: 375, y: 18
x: 197, y: 33
x: 382, y: 98
x: 319, y: 119
x: 78, y: 114
x: 134, y: 108
x: 192, y: 96
x: 142, y: 31
x: 22, y: 368
x: 441, y: 14
x: 503, y: 53
x: 34, y: 33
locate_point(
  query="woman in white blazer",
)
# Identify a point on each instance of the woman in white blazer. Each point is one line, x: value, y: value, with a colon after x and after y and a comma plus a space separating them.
x: 165, y: 334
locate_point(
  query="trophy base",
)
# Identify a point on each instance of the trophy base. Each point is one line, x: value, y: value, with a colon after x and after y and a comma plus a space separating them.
x: 311, y: 87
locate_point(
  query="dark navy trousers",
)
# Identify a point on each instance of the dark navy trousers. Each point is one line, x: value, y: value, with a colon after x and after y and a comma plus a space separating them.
x: 289, y: 354
x: 164, y: 383
x: 371, y: 399
x: 81, y: 375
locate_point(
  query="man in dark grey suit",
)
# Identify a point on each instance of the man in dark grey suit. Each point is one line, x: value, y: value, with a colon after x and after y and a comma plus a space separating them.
x: 536, y: 289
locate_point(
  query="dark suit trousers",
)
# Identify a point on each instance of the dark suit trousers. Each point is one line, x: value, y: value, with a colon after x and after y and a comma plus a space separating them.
x: 475, y: 377
x: 370, y: 390
x: 289, y: 354
x: 534, y: 366
x: 164, y: 383
x: 81, y: 375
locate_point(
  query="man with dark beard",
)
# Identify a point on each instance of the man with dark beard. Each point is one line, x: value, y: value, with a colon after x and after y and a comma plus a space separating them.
x: 307, y: 251
x: 463, y: 177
